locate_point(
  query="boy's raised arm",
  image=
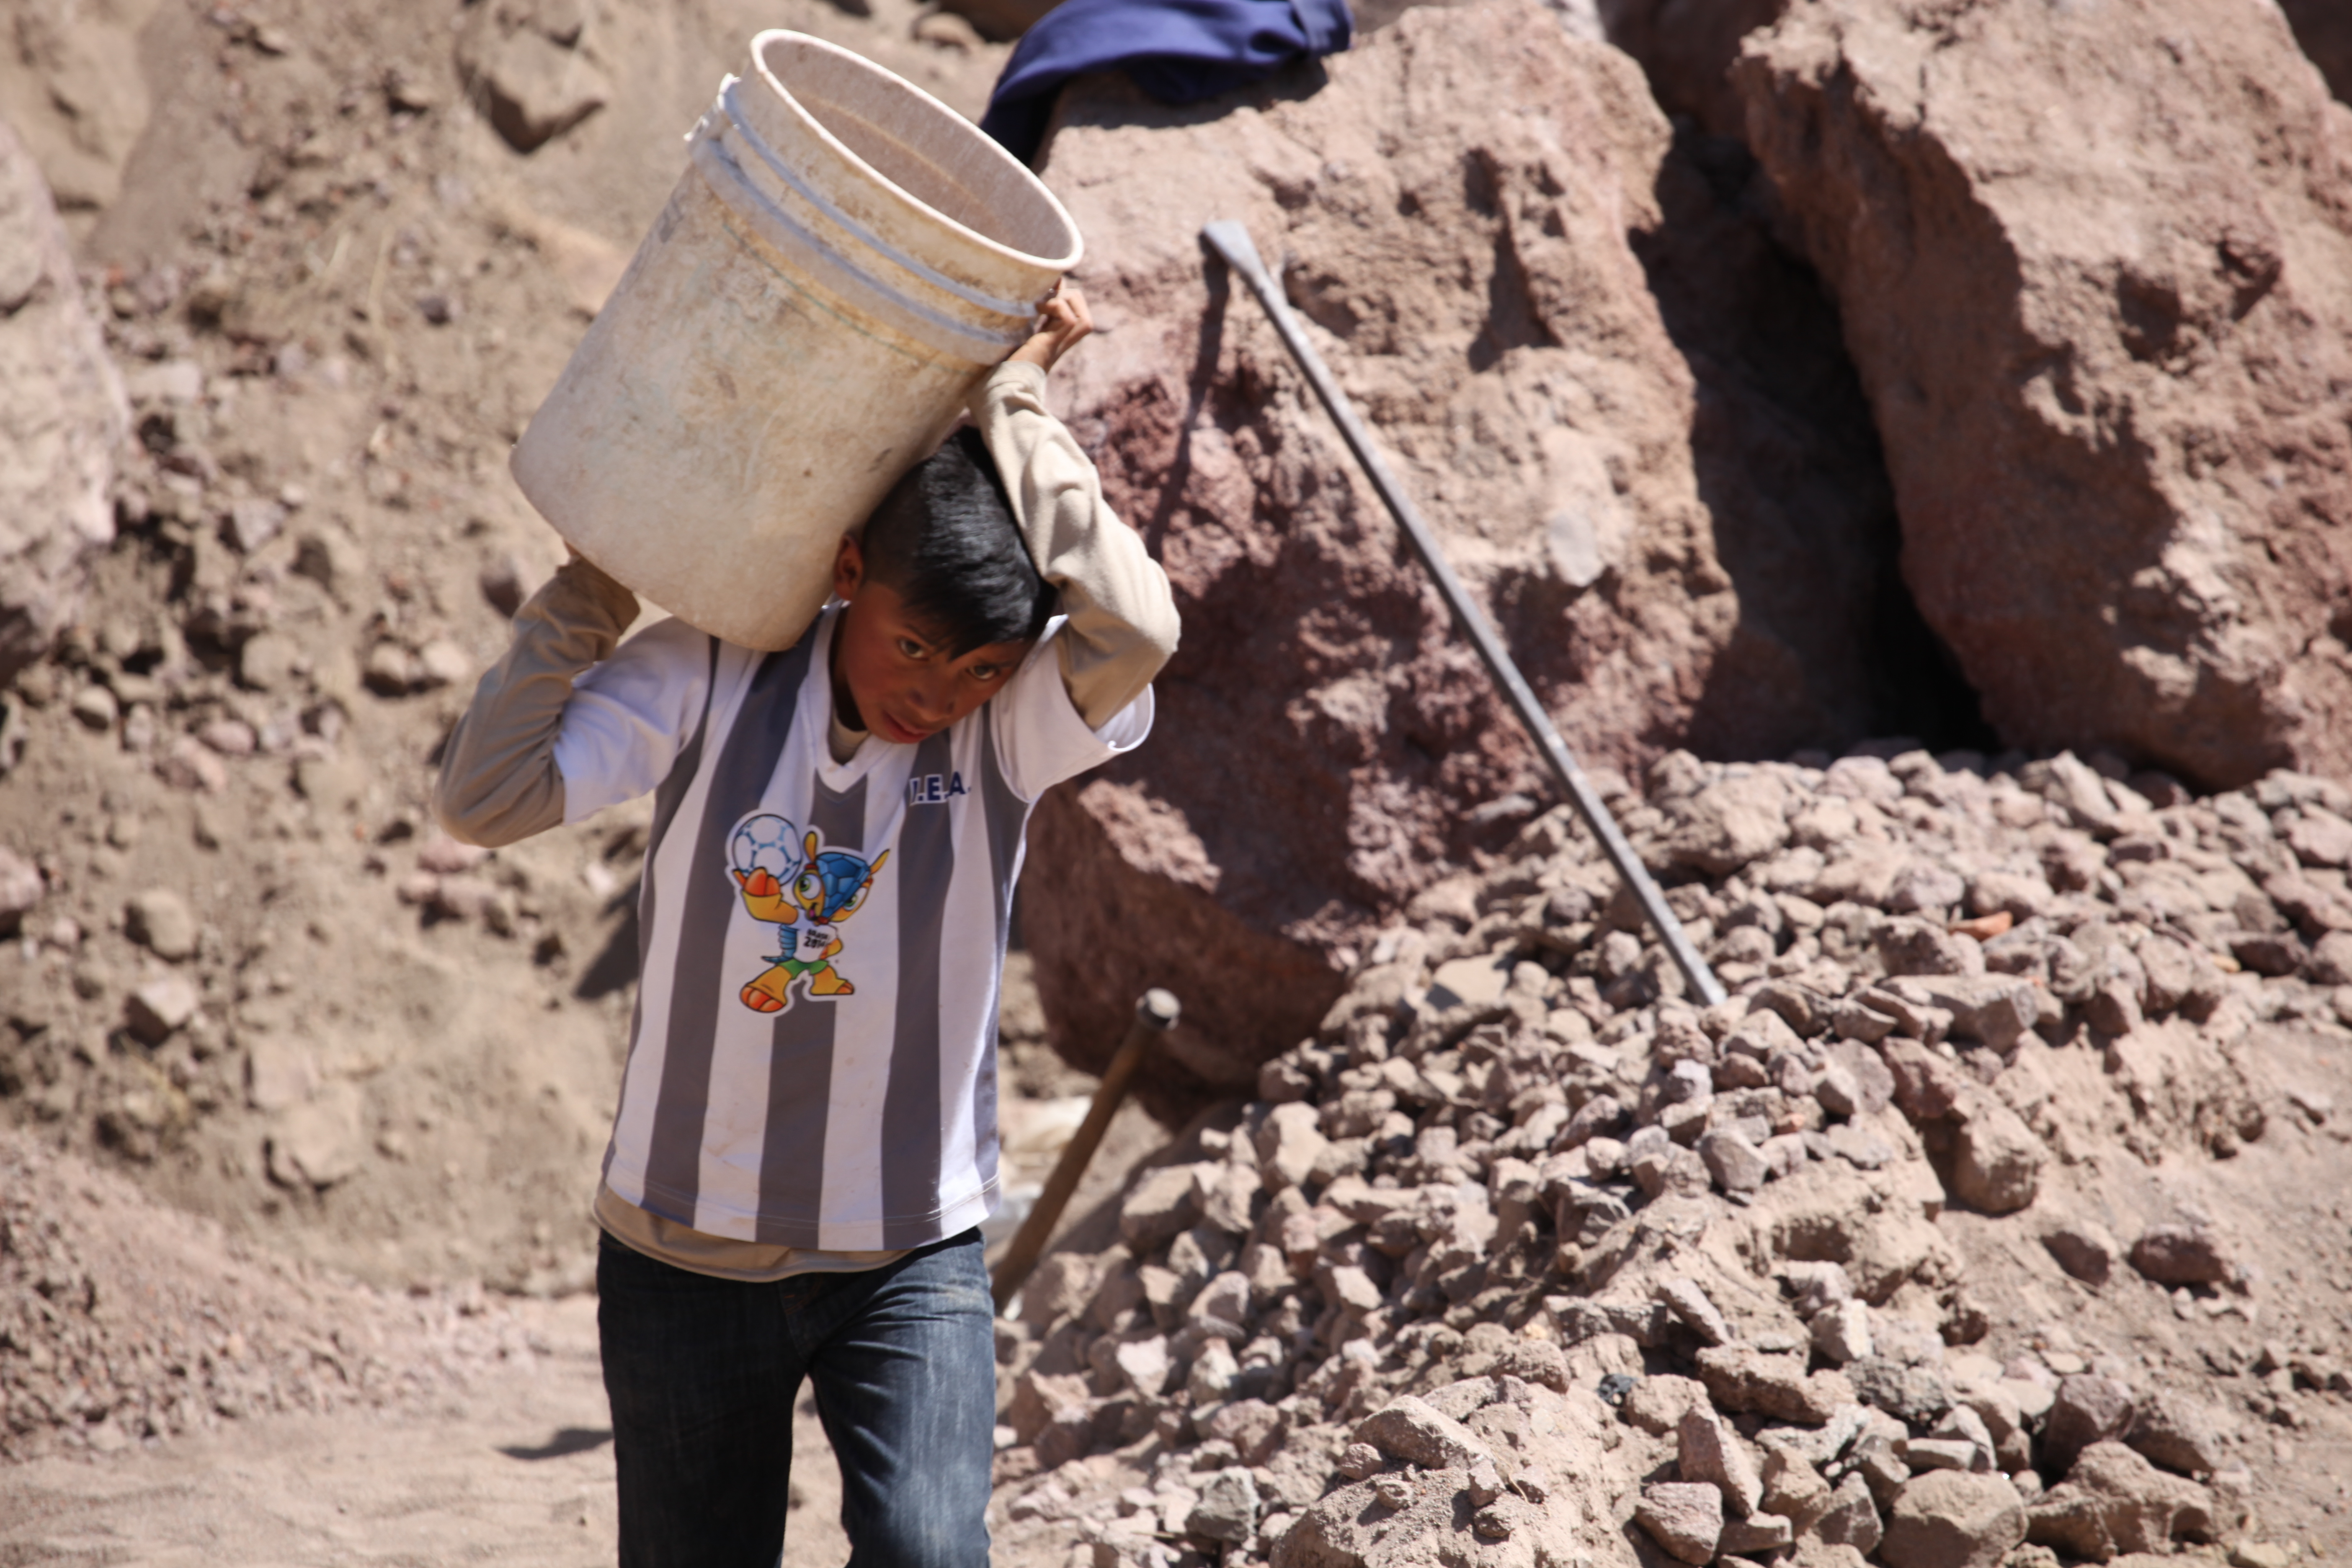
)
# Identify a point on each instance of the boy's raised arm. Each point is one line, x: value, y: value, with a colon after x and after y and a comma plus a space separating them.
x: 498, y: 780
x: 1122, y: 619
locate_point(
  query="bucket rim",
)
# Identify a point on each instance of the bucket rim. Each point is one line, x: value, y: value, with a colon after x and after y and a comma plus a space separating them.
x: 848, y: 57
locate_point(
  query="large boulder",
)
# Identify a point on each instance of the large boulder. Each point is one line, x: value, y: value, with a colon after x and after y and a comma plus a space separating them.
x: 2094, y: 264
x: 62, y: 413
x: 1473, y: 210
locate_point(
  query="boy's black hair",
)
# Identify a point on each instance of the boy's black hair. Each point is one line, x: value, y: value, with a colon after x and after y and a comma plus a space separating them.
x: 945, y: 540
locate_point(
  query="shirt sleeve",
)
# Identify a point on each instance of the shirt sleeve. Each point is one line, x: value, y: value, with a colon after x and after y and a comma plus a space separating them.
x: 631, y: 716
x: 1041, y: 736
x: 498, y: 780
x: 1121, y: 624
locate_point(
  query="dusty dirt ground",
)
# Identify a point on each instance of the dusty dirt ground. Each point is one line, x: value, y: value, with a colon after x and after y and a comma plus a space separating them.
x: 444, y: 1427
x: 517, y: 1467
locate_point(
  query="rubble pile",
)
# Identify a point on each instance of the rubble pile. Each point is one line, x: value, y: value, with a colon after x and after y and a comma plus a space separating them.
x: 122, y: 1321
x: 1524, y: 1257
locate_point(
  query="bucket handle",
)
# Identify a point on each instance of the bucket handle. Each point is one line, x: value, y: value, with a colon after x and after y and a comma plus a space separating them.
x: 808, y: 192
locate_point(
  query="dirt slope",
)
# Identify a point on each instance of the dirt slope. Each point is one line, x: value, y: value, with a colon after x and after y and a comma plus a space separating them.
x: 336, y: 292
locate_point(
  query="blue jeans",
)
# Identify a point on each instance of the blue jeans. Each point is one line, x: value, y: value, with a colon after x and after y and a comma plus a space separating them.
x: 703, y: 1373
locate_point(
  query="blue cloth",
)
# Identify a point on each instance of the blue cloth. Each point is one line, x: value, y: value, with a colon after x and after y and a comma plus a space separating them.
x: 703, y: 1373
x: 1177, y: 51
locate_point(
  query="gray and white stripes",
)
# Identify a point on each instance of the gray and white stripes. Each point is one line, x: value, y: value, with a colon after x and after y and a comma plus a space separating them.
x: 856, y: 1120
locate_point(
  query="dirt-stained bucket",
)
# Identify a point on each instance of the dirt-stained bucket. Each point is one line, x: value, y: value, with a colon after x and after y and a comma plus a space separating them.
x: 843, y: 261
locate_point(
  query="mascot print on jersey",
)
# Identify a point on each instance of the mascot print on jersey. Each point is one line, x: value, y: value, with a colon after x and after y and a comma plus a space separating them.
x: 804, y: 892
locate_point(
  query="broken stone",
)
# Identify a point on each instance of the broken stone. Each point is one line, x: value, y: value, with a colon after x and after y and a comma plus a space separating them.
x: 188, y: 764
x: 1912, y: 1394
x: 1060, y: 1285
x: 1226, y: 1299
x: 1409, y: 1429
x: 1289, y: 1145
x: 2175, y: 1432
x: 1842, y: 1332
x: 1165, y: 1202
x: 1852, y: 1517
x: 1815, y: 1286
x: 252, y: 523
x: 1925, y: 1454
x: 441, y: 662
x: 320, y: 1142
x: 1758, y: 1535
x: 2181, y: 1255
x: 1925, y: 947
x: 278, y: 1073
x: 1734, y: 1161
x: 1227, y: 1511
x: 1254, y: 1428
x: 1213, y: 1375
x: 1927, y: 1087
x: 1684, y: 1518
x: 21, y: 886
x: 534, y: 89
x: 1793, y: 1488
x: 160, y: 1007
x: 1996, y: 1010
x: 2083, y: 1249
x: 2087, y: 1409
x: 1997, y: 1163
x: 2114, y: 1502
x: 1485, y: 1482
x: 161, y: 919
x: 1656, y: 1404
x: 1949, y: 1519
x: 391, y: 670
x: 1689, y: 1304
x: 94, y: 706
x: 1708, y: 1450
x: 1727, y: 825
x: 1740, y: 1377
x: 1145, y: 1364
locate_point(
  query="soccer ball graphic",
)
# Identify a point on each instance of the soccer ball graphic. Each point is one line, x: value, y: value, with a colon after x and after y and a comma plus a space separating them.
x: 767, y: 843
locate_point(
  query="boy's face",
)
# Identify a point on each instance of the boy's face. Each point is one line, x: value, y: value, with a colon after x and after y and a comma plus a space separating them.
x: 891, y: 673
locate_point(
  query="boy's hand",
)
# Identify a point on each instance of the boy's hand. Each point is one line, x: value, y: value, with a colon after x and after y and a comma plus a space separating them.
x: 1064, y: 319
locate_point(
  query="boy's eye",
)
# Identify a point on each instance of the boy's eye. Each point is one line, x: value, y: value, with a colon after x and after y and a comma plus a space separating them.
x: 910, y: 648
x: 986, y: 672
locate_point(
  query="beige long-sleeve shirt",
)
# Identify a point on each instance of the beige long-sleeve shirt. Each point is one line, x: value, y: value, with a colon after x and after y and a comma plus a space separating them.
x: 499, y: 782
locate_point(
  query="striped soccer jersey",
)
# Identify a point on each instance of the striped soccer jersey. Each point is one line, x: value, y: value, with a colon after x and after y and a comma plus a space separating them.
x: 813, y: 1055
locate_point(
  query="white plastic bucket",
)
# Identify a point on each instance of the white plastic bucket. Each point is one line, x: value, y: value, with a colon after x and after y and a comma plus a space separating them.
x: 843, y: 261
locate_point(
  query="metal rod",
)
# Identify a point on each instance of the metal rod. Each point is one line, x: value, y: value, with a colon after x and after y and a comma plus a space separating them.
x: 1231, y: 241
x: 1155, y: 1014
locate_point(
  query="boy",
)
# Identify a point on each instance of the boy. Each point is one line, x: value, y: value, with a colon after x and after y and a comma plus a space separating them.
x: 807, y: 1137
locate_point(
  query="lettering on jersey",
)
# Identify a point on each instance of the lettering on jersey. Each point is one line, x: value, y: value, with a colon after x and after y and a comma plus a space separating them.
x: 934, y: 789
